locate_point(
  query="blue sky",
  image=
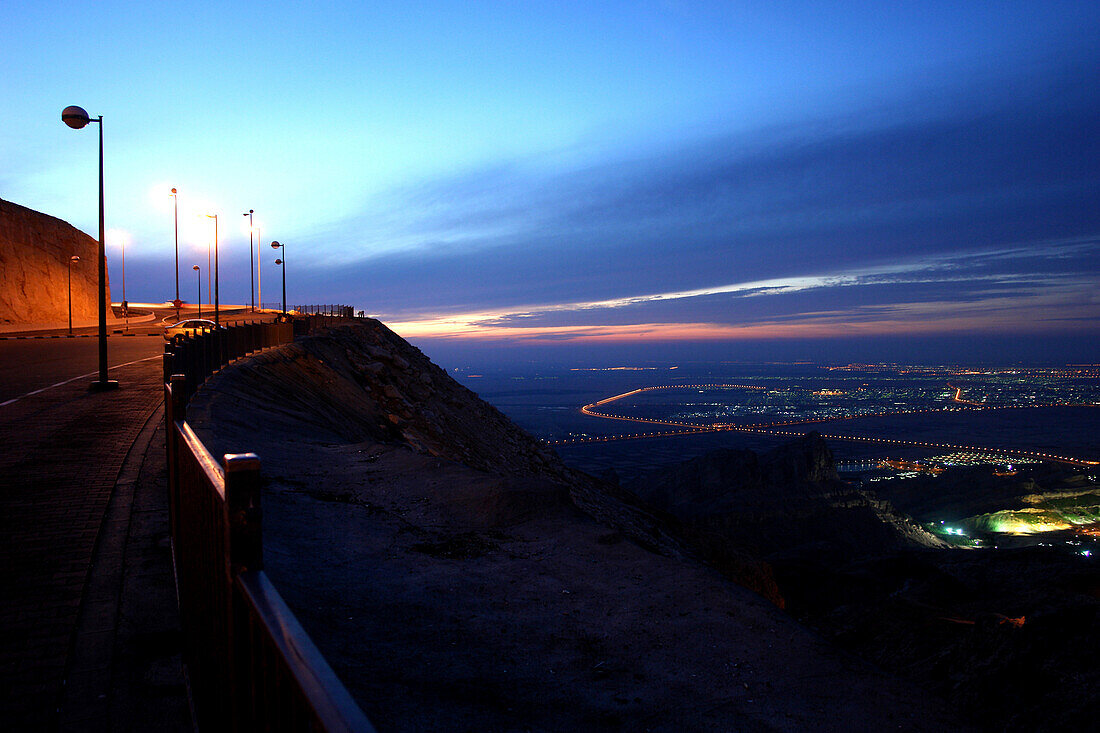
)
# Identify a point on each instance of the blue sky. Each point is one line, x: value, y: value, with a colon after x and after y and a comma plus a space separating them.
x: 792, y: 178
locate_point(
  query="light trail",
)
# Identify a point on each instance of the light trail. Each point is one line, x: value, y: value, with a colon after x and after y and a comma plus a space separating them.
x: 670, y: 386
x: 688, y: 428
x: 958, y: 396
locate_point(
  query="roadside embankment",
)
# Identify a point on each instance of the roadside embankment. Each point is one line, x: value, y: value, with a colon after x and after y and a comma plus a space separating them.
x: 458, y: 576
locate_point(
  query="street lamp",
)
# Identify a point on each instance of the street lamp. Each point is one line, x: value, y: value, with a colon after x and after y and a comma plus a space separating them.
x: 72, y: 261
x: 125, y: 304
x: 282, y: 263
x: 176, y: 225
x: 251, y: 264
x: 76, y: 118
x: 215, y: 218
x: 259, y: 270
x: 198, y: 281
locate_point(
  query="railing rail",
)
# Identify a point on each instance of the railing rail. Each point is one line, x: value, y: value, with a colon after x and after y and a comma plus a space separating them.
x: 251, y: 665
x: 343, y: 311
x: 199, y: 356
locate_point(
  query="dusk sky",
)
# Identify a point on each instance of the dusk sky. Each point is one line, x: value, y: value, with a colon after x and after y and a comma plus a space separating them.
x: 856, y: 180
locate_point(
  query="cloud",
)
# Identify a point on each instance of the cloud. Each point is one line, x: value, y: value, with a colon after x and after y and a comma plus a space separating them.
x: 1021, y: 289
x: 978, y: 203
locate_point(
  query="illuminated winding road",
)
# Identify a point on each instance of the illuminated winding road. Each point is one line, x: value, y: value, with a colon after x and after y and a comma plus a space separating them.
x: 958, y: 397
x: 686, y: 428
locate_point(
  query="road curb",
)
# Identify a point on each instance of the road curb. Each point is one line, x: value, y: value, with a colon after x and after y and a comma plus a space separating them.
x: 83, y: 689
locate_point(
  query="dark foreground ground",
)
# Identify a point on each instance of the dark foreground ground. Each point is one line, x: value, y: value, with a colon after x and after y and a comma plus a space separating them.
x: 458, y: 577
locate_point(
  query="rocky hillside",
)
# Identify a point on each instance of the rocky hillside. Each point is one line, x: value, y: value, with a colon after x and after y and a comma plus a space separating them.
x: 787, y: 502
x: 1007, y: 635
x: 34, y: 255
x: 366, y: 384
x: 459, y: 577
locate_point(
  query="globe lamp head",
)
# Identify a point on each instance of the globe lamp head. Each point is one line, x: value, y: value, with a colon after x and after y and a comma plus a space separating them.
x: 75, y: 117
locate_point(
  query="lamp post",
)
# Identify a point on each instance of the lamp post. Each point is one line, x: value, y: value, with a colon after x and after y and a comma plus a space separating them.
x: 176, y: 225
x: 125, y: 305
x: 282, y: 263
x: 198, y: 281
x: 72, y: 261
x: 76, y: 118
x: 251, y: 265
x: 259, y: 270
x: 215, y: 218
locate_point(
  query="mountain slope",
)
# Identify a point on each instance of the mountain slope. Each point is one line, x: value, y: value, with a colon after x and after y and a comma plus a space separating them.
x: 459, y: 577
x: 786, y: 502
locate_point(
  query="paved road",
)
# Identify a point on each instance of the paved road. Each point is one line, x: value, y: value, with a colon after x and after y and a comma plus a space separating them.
x: 29, y: 364
x: 26, y: 366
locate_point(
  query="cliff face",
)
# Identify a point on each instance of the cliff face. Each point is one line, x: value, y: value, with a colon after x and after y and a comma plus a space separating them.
x: 34, y: 255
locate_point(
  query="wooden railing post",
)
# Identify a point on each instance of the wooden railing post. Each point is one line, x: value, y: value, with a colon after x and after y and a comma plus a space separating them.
x: 186, y: 350
x: 175, y: 411
x: 242, y: 508
x: 213, y: 352
x: 202, y: 342
x: 242, y: 499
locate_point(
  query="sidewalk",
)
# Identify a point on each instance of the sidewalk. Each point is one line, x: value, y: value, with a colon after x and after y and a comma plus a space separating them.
x: 87, y: 601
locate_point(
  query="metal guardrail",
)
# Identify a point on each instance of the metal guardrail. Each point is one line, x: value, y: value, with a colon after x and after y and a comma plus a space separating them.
x: 343, y: 311
x: 251, y: 665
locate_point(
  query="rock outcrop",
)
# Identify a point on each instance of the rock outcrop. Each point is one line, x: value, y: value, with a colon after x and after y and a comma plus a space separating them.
x: 34, y: 254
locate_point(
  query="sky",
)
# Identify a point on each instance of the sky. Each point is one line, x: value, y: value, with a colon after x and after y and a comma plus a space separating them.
x: 619, y: 180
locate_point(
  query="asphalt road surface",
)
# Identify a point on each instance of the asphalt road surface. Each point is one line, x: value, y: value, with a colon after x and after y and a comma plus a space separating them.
x: 32, y: 364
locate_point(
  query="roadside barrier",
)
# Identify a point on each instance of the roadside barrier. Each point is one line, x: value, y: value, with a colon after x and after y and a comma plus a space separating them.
x: 197, y: 357
x: 251, y: 665
x: 342, y: 311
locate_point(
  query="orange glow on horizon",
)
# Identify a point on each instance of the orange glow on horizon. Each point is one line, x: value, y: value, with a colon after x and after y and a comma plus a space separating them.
x: 996, y: 315
x: 483, y: 329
